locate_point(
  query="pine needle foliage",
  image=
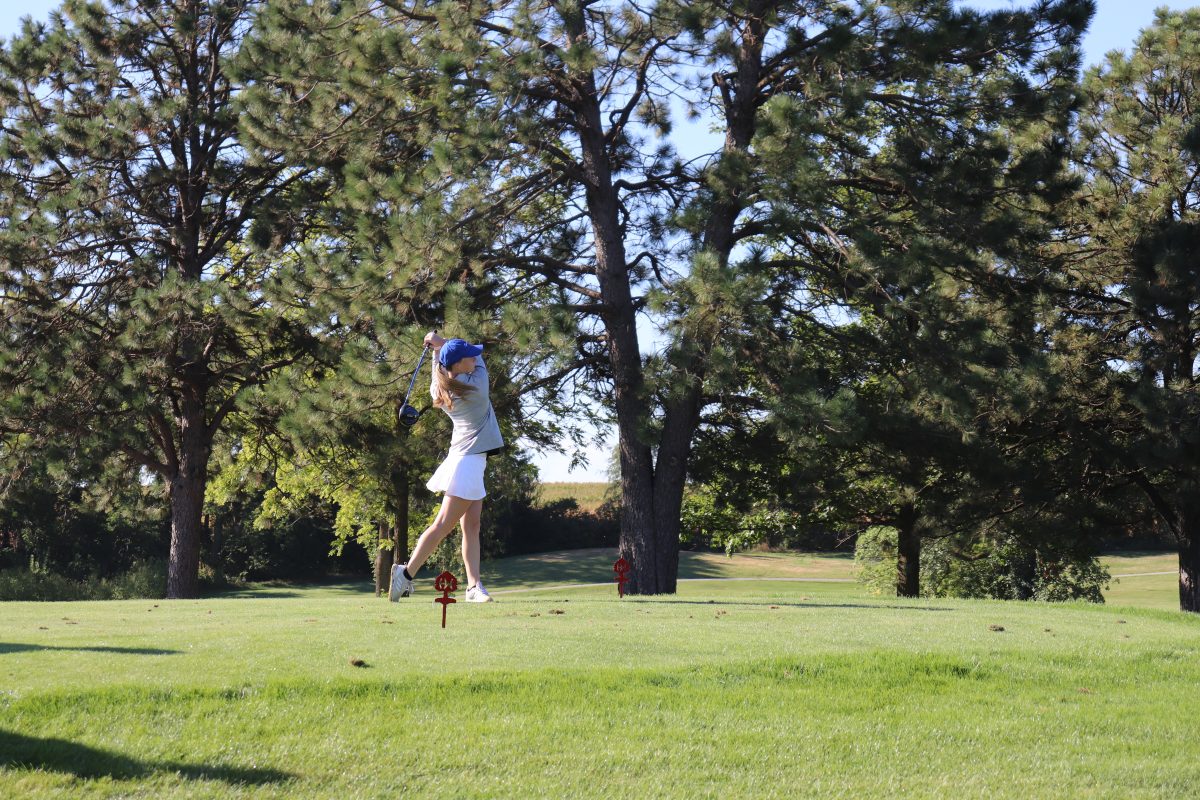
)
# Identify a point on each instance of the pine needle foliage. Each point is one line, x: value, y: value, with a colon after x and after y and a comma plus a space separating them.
x: 147, y: 282
x: 518, y: 144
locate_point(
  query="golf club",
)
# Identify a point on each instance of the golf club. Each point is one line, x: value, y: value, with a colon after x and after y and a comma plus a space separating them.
x: 408, y: 414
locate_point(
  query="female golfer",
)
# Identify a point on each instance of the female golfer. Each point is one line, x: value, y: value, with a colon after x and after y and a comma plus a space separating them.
x: 460, y: 388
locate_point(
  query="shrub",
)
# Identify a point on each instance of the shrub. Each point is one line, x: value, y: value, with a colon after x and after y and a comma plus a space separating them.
x: 147, y: 579
x: 1007, y: 568
x: 708, y: 523
x: 299, y: 549
x: 875, y: 555
x: 1001, y: 567
x: 25, y: 584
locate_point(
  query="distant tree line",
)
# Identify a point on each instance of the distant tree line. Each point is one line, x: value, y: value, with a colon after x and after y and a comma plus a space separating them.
x: 932, y: 282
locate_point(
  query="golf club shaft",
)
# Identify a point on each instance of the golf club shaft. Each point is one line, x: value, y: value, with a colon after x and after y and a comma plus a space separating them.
x: 413, y: 380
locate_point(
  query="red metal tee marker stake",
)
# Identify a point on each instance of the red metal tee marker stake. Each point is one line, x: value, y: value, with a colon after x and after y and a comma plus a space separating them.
x: 621, y: 567
x: 445, y: 583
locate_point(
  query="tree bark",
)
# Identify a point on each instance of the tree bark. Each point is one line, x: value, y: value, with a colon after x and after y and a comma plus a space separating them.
x: 908, y: 553
x: 218, y: 542
x: 638, y: 544
x: 670, y: 479
x: 1189, y: 569
x: 383, y: 560
x: 1024, y: 573
x: 187, y: 502
x: 652, y: 491
x: 400, y: 484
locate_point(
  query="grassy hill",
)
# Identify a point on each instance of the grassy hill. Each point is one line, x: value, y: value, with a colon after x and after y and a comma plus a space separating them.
x: 589, y: 496
x: 787, y: 688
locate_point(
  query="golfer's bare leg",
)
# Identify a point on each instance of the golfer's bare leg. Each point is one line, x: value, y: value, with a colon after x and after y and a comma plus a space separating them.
x: 470, y: 543
x: 451, y: 511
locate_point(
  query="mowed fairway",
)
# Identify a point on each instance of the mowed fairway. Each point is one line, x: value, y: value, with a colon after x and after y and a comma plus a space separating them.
x: 729, y: 689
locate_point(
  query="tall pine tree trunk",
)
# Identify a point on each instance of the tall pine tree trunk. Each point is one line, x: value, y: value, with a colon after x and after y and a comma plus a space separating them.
x: 187, y: 500
x: 1024, y: 574
x: 652, y: 491
x: 1189, y: 563
x: 218, y: 542
x: 383, y: 559
x: 393, y: 533
x: 651, y: 570
x: 400, y: 486
x: 908, y: 553
x: 670, y: 479
x: 741, y: 94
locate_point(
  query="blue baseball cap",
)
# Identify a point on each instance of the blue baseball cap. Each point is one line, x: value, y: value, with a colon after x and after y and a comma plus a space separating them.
x: 456, y: 349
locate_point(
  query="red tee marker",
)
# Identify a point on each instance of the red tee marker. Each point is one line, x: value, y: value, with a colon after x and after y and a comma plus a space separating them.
x: 445, y: 583
x: 621, y: 567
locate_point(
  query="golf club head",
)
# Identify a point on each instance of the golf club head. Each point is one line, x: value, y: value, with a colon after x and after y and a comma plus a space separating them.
x: 409, y: 415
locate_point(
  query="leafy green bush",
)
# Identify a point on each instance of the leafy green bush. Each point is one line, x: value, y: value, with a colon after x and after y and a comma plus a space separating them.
x: 1006, y: 568
x: 146, y: 579
x: 875, y: 555
x: 1002, y: 567
x: 25, y: 584
x: 709, y: 522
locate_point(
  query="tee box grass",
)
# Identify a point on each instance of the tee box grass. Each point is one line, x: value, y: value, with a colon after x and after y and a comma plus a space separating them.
x: 785, y: 688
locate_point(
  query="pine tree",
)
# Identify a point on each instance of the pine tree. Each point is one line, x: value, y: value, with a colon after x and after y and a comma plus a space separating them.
x: 486, y: 109
x: 906, y: 261
x: 1132, y: 297
x: 144, y: 287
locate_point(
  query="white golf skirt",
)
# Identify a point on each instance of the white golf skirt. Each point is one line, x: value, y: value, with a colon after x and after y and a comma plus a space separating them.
x: 460, y: 476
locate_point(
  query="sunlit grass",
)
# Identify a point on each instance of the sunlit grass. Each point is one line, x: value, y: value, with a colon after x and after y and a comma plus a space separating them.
x: 731, y: 688
x: 1146, y: 580
x: 588, y: 495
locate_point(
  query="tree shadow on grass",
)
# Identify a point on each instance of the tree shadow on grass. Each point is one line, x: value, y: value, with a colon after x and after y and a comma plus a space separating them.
x: 634, y: 601
x: 591, y: 565
x: 792, y: 604
x: 21, y: 647
x: 282, y: 590
x: 595, y: 565
x: 18, y: 751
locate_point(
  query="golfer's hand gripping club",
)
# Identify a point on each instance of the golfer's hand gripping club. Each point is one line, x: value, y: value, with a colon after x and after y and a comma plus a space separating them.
x: 408, y: 414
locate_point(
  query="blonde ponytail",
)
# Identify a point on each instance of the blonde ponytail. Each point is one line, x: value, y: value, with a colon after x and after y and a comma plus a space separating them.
x: 447, y: 387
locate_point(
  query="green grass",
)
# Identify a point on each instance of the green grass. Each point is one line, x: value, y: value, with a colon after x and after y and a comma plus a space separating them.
x: 589, y: 495
x: 595, y: 565
x: 729, y: 689
x: 1149, y: 580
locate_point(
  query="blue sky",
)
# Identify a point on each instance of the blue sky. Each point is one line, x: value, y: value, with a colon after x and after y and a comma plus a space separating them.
x: 1115, y: 26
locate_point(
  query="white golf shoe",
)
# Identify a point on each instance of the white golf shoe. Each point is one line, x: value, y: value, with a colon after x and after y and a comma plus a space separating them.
x: 401, y: 586
x: 478, y: 594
